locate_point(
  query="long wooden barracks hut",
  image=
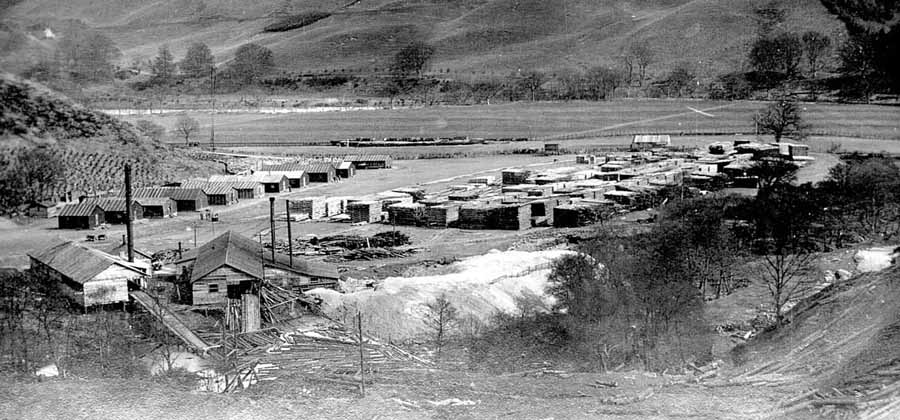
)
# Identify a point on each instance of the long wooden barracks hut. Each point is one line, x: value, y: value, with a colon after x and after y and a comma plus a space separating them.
x: 321, y: 172
x: 81, y: 216
x: 88, y: 276
x: 186, y: 199
x: 114, y: 209
x: 158, y: 207
x: 370, y: 161
x: 295, y: 173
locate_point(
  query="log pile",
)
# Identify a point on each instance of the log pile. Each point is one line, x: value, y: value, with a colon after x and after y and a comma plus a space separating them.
x: 368, y: 254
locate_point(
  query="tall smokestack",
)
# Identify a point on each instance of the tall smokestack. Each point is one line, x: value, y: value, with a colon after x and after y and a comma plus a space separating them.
x: 272, y: 224
x: 287, y: 210
x: 129, y: 232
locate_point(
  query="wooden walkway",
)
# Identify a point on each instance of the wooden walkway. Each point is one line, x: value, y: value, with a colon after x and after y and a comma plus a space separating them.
x: 170, y: 320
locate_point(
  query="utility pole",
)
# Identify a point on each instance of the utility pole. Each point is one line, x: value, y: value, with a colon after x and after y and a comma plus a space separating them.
x: 287, y: 209
x: 212, y: 116
x: 272, y: 224
x: 362, y: 362
x: 129, y: 230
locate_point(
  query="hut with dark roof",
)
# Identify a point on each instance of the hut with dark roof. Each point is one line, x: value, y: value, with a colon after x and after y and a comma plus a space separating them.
x: 88, y: 276
x: 186, y: 199
x: 81, y: 216
x: 114, y: 209
x: 370, y: 161
x: 157, y: 207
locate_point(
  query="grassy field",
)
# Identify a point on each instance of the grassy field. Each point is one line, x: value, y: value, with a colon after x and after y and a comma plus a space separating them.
x: 542, y: 120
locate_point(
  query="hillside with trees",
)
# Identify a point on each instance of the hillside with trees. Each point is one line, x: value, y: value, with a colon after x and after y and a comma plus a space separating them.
x: 53, y: 149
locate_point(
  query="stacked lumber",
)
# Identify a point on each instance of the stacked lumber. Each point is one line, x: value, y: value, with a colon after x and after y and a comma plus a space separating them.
x: 312, y: 207
x: 335, y: 206
x: 475, y: 216
x: 443, y: 215
x: 368, y: 254
x: 364, y: 211
x: 464, y: 195
x: 577, y: 215
x: 411, y: 214
x: 513, y: 217
x: 515, y: 176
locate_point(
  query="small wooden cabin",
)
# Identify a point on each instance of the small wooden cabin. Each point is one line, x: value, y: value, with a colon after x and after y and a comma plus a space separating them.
x: 321, y: 172
x: 43, y: 209
x: 186, y: 199
x: 370, y: 161
x: 88, y: 276
x: 346, y: 170
x: 81, y: 216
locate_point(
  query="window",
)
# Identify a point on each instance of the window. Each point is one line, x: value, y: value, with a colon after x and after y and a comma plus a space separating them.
x: 213, y: 288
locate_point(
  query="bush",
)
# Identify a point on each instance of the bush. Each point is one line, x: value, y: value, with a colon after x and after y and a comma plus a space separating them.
x: 296, y: 21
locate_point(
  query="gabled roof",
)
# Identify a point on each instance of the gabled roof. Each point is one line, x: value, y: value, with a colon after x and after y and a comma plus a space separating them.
x: 367, y: 158
x: 652, y: 138
x: 153, y: 201
x: 232, y: 250
x: 173, y: 193
x: 80, y: 209
x: 79, y: 263
x: 345, y: 165
x: 290, y: 166
x: 288, y: 174
x: 108, y: 204
x: 312, y: 167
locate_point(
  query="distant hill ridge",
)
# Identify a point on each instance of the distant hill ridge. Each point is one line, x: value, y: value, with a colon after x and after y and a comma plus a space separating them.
x: 480, y: 36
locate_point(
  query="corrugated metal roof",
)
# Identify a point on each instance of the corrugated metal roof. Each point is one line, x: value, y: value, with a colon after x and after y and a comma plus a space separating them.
x: 108, y: 204
x: 81, y: 264
x: 153, y: 201
x: 367, y: 158
x: 290, y: 166
x: 288, y: 174
x: 209, y: 188
x: 80, y: 209
x: 344, y: 165
x: 173, y: 193
x: 232, y: 250
x: 655, y: 139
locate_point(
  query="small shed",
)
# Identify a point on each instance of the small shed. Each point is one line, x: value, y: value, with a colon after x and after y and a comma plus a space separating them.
x: 296, y: 178
x: 88, y: 276
x: 158, y: 207
x: 114, y: 209
x: 81, y: 216
x: 650, y: 141
x: 346, y: 169
x: 551, y: 148
x: 43, y: 209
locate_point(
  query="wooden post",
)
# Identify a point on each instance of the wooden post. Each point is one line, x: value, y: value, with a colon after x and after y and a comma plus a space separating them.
x: 362, y: 363
x: 272, y: 224
x: 129, y: 230
x: 287, y: 209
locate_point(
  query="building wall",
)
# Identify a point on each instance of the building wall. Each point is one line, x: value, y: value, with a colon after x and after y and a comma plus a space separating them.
x: 221, y: 278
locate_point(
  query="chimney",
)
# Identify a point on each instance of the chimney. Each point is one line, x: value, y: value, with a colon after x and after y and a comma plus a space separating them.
x: 129, y: 231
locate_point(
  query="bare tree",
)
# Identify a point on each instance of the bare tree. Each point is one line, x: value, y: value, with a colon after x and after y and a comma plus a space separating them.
x: 185, y: 127
x: 441, y: 318
x: 782, y: 118
x: 815, y: 47
x: 533, y: 81
x: 643, y: 57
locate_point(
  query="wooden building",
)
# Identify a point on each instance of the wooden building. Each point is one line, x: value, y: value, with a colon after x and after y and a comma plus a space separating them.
x: 186, y: 199
x: 157, y: 207
x: 232, y: 265
x: 650, y: 141
x: 88, y: 276
x: 43, y: 209
x: 346, y: 170
x: 81, y: 216
x: 114, y: 209
x: 245, y: 186
x: 370, y: 161
x: 321, y: 172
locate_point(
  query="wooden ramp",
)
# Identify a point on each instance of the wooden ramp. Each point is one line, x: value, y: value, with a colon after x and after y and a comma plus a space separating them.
x: 170, y: 320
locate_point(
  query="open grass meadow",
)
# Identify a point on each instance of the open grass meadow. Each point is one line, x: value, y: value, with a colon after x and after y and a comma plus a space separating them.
x: 539, y: 121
